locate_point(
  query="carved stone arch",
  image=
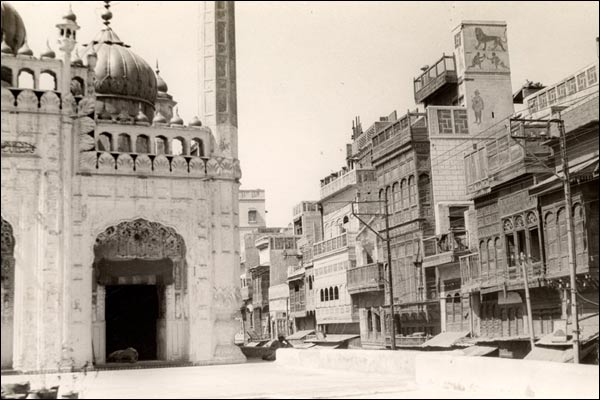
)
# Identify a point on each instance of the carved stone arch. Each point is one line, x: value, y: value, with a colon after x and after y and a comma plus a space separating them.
x: 8, y: 292
x: 50, y: 102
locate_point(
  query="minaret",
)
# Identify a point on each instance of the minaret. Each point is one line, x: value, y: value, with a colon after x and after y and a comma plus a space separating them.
x: 217, y: 78
x: 67, y: 39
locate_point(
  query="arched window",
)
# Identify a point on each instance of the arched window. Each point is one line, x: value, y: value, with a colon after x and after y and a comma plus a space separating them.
x: 26, y: 79
x: 310, y: 282
x: 336, y: 293
x: 77, y: 86
x: 160, y: 145
x: 500, y: 265
x: 369, y: 321
x: 197, y: 148
x: 579, y: 233
x: 381, y: 201
x: 48, y: 81
x: 388, y: 198
x: 7, y: 76
x: 404, y: 194
x: 562, y: 239
x: 551, y: 239
x: 105, y: 142
x: 124, y: 143
x: 322, y: 295
x: 326, y: 294
x: 142, y: 144
x: 412, y: 192
x: 491, y: 256
x: 178, y: 147
x: 331, y: 293
x: 396, y: 197
x: 483, y: 258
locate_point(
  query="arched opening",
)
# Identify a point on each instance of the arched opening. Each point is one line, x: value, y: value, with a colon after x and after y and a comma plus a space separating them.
x: 160, y: 145
x: 8, y: 293
x: 139, y: 291
x: 26, y: 79
x: 336, y: 293
x: 322, y: 295
x: 77, y: 86
x: 197, y: 148
x: 124, y: 143
x: 326, y: 294
x: 178, y: 147
x: 142, y: 144
x: 7, y: 77
x: 331, y: 293
x: 104, y: 142
x: 48, y: 81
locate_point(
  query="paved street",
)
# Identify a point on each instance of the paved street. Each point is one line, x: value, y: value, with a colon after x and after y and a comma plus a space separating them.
x: 250, y: 380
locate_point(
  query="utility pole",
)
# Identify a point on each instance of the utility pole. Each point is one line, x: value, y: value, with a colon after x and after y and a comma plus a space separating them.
x: 390, y: 283
x: 570, y: 241
x: 528, y: 301
x: 537, y: 134
x: 387, y: 240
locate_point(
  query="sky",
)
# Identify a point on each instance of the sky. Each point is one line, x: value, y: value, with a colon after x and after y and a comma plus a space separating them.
x: 305, y: 70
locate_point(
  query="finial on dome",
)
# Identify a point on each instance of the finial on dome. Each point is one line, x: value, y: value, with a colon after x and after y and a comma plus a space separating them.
x: 70, y: 14
x: 141, y: 116
x: 176, y: 119
x: 25, y: 50
x: 49, y: 53
x: 107, y: 14
x: 195, y: 122
x: 159, y: 118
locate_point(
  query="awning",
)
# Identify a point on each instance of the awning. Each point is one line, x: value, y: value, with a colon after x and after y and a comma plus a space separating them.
x: 333, y: 338
x: 550, y: 354
x: 300, y: 334
x: 478, y: 351
x: 325, y: 347
x: 445, y: 339
x: 587, y: 170
x: 303, y: 345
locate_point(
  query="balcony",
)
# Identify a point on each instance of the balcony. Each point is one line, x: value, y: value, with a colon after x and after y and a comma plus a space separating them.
x: 344, y: 179
x: 404, y: 130
x: 333, y: 245
x: 435, y: 78
x: 295, y: 272
x: 474, y: 278
x: 246, y: 293
x: 445, y: 248
x: 366, y: 278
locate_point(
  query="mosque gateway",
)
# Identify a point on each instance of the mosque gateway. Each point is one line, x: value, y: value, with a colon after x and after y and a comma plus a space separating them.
x: 119, y: 221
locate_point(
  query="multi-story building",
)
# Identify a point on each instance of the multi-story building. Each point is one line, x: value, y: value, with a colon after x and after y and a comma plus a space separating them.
x: 521, y: 221
x: 308, y: 227
x: 335, y: 254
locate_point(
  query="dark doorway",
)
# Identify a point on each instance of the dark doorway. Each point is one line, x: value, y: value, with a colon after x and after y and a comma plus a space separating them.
x: 131, y: 316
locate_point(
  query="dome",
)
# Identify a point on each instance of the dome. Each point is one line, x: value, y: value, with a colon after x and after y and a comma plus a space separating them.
x: 121, y: 74
x: 161, y: 85
x: 13, y: 28
x: 195, y: 122
x: 176, y: 120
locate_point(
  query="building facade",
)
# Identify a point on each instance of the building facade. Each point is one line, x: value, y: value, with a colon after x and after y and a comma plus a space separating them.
x: 108, y: 196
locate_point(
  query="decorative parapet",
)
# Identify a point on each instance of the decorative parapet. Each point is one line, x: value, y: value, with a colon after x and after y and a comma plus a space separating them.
x: 106, y: 163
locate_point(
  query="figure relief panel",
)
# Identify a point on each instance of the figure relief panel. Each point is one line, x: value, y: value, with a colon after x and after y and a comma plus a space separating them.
x: 485, y: 48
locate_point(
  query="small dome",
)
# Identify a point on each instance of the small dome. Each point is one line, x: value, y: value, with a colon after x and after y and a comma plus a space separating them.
x: 161, y: 85
x: 195, y: 122
x: 159, y: 118
x: 176, y: 120
x: 6, y: 49
x: 49, y: 53
x: 25, y: 50
x: 13, y: 28
x: 70, y: 15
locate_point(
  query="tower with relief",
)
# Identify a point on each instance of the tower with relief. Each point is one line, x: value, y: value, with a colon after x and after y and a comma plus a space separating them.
x: 217, y: 77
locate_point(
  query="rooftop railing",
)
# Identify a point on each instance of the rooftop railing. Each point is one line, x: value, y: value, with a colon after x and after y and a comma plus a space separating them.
x: 436, y: 76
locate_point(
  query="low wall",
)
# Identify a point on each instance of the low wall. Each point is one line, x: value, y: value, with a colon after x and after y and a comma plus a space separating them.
x: 256, y: 352
x: 368, y: 361
x: 497, y: 376
x: 507, y: 377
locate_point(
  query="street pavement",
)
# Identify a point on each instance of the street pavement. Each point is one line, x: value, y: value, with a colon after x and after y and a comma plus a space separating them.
x: 251, y: 380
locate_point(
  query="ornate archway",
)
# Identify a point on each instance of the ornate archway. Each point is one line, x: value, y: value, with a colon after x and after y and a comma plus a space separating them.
x: 8, y: 293
x: 140, y: 255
